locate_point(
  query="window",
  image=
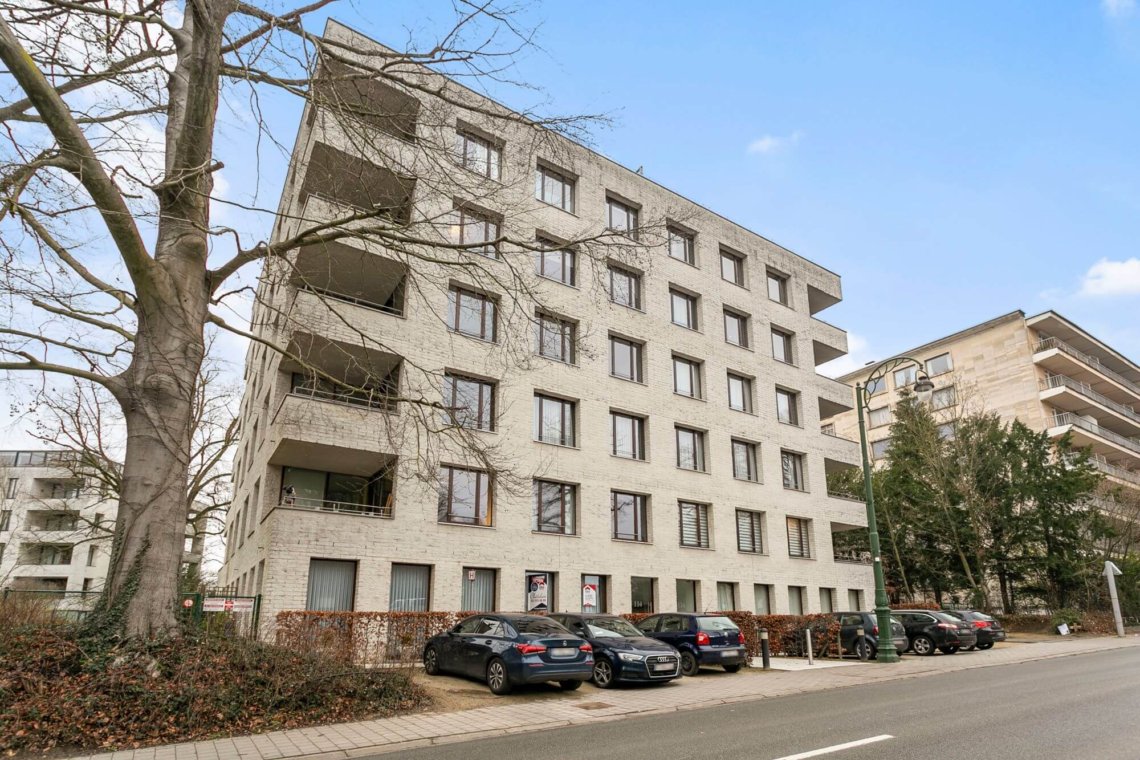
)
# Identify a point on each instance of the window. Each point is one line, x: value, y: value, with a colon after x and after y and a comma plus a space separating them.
x: 471, y: 313
x: 739, y: 393
x: 947, y: 431
x: 554, y: 507
x: 554, y: 263
x: 854, y: 599
x: 332, y: 585
x: 91, y: 552
x: 694, y: 524
x: 48, y: 554
x: 594, y: 593
x: 629, y: 516
x: 478, y: 589
x: 5, y: 519
x: 625, y: 358
x: 681, y: 246
x: 553, y: 420
x: 625, y: 287
x: 556, y: 338
x: 539, y: 598
x: 628, y: 435
x: 478, y: 154
x: 732, y: 267
x: 799, y: 537
x: 939, y: 365
x: 880, y: 448
x: 797, y: 600
x: 787, y: 407
x: 554, y: 188
x: 792, y: 470
x: 762, y: 595
x: 782, y: 347
x: 410, y: 588
x: 478, y: 230
x: 828, y: 429
x: 642, y: 591
x: 943, y: 398
x: 735, y: 328
x: 879, y: 417
x: 66, y: 490
x: 465, y: 496
x: 750, y: 531
x: 876, y: 386
x: 470, y: 402
x: 777, y: 287
x: 621, y: 218
x: 905, y: 377
x: 826, y: 600
x: 686, y: 602
x: 690, y: 449
x: 686, y: 377
x: 683, y: 309
x: 12, y: 487
x: 744, y: 461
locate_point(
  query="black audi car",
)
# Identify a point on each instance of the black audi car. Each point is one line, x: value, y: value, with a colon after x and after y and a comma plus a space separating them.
x: 987, y: 628
x: 622, y: 653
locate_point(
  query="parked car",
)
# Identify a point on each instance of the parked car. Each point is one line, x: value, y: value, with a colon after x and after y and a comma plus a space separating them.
x: 621, y: 651
x: 701, y: 639
x: 988, y: 629
x: 507, y: 650
x: 851, y: 622
x: 928, y: 630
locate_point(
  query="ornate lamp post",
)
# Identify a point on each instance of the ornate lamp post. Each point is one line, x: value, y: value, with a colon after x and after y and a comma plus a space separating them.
x: 923, y: 390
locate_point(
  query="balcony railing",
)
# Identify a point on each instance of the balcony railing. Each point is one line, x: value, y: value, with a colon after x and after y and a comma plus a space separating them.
x: 1058, y: 381
x: 354, y: 300
x: 845, y: 496
x: 1048, y: 343
x: 38, y: 458
x: 1068, y: 418
x: 1116, y: 472
x: 372, y: 399
x: 340, y: 507
x: 853, y: 557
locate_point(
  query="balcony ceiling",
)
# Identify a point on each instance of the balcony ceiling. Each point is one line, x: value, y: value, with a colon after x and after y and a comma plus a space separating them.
x: 347, y: 270
x: 355, y: 364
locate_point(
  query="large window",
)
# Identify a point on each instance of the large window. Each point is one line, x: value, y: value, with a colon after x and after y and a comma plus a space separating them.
x: 778, y: 287
x: 478, y: 154
x: 880, y: 448
x: 787, y: 407
x: 739, y: 393
x: 554, y: 187
x: 681, y: 246
x: 782, y: 346
x: 797, y: 600
x: 687, y: 595
x: 478, y: 589
x: 470, y: 402
x: 735, y: 328
x: 792, y: 470
x: 905, y: 377
x: 876, y: 386
x: 471, y: 313
x: 750, y: 531
x: 556, y: 338
x: 686, y: 377
x: 478, y: 230
x: 744, y: 461
x: 641, y: 594
x: 554, y: 263
x: 725, y: 596
x: 879, y: 417
x: 762, y: 596
x: 555, y: 507
x: 621, y: 217
x: 732, y: 267
x: 411, y: 588
x: 690, y: 449
x: 944, y: 398
x: 939, y: 365
x: 626, y: 358
x: 629, y: 516
x: 683, y: 309
x: 332, y: 585
x: 799, y: 537
x: 628, y: 435
x: 465, y: 496
x: 317, y: 489
x: 553, y: 420
x: 595, y: 593
x: 694, y: 524
x: 625, y: 287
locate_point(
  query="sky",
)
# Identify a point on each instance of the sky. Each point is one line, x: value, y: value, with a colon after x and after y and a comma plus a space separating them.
x: 952, y: 162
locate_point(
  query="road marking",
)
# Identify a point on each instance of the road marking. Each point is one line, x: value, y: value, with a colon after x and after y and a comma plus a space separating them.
x: 837, y: 748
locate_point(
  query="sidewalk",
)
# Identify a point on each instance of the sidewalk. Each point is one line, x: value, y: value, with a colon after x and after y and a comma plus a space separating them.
x: 590, y: 705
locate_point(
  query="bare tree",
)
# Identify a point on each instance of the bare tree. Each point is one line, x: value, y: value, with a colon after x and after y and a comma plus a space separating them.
x: 115, y: 274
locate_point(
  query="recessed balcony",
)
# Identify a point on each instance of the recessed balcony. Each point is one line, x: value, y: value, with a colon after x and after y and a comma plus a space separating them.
x: 827, y: 341
x: 347, y: 274
x: 339, y: 492
x: 352, y: 181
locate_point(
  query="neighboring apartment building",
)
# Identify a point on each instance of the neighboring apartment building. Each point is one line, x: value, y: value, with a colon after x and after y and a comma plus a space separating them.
x: 668, y: 432
x: 1043, y: 370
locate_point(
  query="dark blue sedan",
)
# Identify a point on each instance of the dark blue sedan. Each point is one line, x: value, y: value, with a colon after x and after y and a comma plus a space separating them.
x: 507, y: 650
x: 621, y: 652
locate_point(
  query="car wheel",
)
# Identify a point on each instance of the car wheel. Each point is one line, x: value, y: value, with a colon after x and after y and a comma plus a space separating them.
x: 922, y: 645
x: 689, y: 664
x: 603, y: 673
x: 497, y: 680
x: 862, y: 647
x: 431, y: 661
x: 971, y: 648
x: 732, y: 668
x: 983, y: 647
x: 569, y: 685
x: 948, y: 650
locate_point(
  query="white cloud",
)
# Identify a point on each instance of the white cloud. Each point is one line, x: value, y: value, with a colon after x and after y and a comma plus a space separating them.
x: 773, y: 143
x: 1117, y: 8
x: 1112, y: 278
x: 857, y: 356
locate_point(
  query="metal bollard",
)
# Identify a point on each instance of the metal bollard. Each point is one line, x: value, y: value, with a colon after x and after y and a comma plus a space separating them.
x: 861, y: 638
x: 811, y: 658
x: 765, y: 654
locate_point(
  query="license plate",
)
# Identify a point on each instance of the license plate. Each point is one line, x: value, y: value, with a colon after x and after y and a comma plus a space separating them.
x: 728, y: 655
x: 563, y: 652
x: 662, y: 666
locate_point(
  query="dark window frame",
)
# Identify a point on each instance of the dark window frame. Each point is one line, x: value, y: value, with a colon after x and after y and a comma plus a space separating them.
x: 568, y: 505
x: 640, y: 507
x: 486, y: 510
x: 567, y: 419
x: 456, y: 294
x: 700, y: 523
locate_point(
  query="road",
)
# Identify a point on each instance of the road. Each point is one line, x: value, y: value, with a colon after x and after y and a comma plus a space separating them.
x: 1085, y: 706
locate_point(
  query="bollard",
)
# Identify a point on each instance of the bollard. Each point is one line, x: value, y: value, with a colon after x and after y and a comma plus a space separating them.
x: 764, y: 651
x: 811, y: 658
x: 861, y: 639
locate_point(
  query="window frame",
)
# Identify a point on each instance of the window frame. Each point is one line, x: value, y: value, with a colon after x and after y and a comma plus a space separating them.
x: 565, y: 332
x: 936, y: 405
x: 696, y: 381
x: 490, y: 248
x: 540, y: 400
x: 871, y: 423
x: 456, y: 294
x: 637, y: 358
x: 753, y: 460
x: 487, y: 505
x: 494, y: 149
x: 738, y: 262
x: 755, y: 531
x: 743, y: 321
x: 452, y: 380
x: 688, y: 242
x: 640, y: 506
x: 630, y: 212
x: 781, y: 281
x: 700, y: 461
x: 638, y: 427
x: 542, y: 173
x: 634, y: 279
x: 798, y: 471
x: 700, y: 524
x: 691, y: 305
x: 949, y: 364
x: 793, y: 416
x: 801, y: 549
x: 788, y: 346
x: 884, y: 444
x: 568, y: 505
x: 566, y: 253
x: 746, y: 388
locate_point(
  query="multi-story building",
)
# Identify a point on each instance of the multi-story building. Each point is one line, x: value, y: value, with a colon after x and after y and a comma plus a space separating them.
x: 1043, y: 370
x: 663, y: 434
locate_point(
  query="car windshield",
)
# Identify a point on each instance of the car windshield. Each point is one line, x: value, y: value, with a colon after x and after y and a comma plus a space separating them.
x: 715, y: 624
x: 942, y: 616
x: 610, y: 628
x: 539, y: 625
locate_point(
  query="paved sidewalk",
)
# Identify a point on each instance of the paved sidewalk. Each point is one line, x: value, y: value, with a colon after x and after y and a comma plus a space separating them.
x: 347, y: 740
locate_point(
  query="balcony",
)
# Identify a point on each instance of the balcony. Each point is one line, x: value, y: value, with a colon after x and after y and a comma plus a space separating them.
x: 38, y: 458
x: 351, y: 275
x: 853, y: 557
x: 1086, y: 433
x: 1079, y: 398
x: 45, y: 554
x: 354, y: 182
x: 1061, y: 358
x: 1115, y: 471
x: 52, y: 520
x: 827, y: 341
x: 339, y: 492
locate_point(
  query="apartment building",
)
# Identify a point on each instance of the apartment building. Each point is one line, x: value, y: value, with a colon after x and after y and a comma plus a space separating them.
x: 662, y: 433
x: 1044, y: 370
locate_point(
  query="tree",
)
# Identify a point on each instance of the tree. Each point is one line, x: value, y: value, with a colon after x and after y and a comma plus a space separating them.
x: 115, y: 273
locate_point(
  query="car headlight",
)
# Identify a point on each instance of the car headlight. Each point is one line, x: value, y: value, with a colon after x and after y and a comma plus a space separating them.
x: 631, y: 657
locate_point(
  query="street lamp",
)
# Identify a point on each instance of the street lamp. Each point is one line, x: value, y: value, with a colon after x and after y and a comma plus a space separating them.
x: 923, y: 390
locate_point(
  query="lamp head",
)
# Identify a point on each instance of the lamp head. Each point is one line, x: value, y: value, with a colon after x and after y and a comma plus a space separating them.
x: 923, y: 389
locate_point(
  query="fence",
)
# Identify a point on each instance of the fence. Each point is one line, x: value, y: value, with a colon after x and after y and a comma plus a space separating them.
x: 219, y: 613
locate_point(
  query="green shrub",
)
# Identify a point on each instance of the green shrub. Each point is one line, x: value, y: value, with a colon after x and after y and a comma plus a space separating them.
x: 1069, y: 617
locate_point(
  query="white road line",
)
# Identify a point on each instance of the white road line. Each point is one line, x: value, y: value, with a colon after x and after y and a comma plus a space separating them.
x: 837, y: 748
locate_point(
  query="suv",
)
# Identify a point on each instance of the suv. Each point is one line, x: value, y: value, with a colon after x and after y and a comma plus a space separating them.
x: 987, y: 628
x: 928, y: 630
x: 851, y: 622
x: 701, y: 639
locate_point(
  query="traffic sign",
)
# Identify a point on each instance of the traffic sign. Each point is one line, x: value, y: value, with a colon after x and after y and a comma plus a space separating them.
x: 228, y: 604
x: 187, y: 603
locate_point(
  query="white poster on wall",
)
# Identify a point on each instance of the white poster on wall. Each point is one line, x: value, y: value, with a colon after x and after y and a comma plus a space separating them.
x: 538, y: 592
x: 589, y: 597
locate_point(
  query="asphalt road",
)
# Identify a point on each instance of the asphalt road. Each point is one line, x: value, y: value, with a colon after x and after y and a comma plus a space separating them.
x: 1085, y: 706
